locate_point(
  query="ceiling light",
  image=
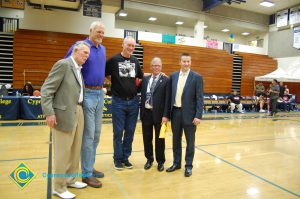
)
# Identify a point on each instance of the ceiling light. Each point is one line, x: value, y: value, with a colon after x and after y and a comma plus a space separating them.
x: 225, y: 30
x: 122, y: 14
x: 245, y: 33
x: 204, y: 26
x: 267, y: 3
x: 179, y: 23
x: 152, y: 19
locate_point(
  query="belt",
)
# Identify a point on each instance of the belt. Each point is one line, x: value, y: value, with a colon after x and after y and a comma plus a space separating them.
x: 126, y: 98
x: 175, y: 107
x: 94, y: 87
x: 79, y: 103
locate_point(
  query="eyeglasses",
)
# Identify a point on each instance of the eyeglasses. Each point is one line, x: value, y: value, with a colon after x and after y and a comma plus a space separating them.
x: 156, y: 65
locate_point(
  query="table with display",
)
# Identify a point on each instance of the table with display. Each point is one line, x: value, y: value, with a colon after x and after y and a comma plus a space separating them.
x: 29, y: 108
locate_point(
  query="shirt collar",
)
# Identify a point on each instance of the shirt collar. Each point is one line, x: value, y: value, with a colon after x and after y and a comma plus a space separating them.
x: 91, y: 43
x: 152, y: 76
x: 184, y: 73
x: 76, y: 65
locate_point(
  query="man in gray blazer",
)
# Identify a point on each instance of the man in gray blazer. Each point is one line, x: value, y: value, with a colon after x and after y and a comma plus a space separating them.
x: 62, y: 95
x: 185, y: 93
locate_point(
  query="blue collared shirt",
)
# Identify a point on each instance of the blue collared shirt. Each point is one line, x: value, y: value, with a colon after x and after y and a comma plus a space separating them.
x: 93, y: 70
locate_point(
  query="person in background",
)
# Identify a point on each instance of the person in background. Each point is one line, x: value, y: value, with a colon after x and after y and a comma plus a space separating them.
x: 259, y: 89
x: 93, y: 73
x: 27, y: 89
x: 286, y: 89
x: 124, y: 69
x: 281, y: 89
x: 274, y: 95
x: 286, y: 102
x: 235, y: 101
x: 62, y: 96
x: 261, y: 103
x: 153, y: 108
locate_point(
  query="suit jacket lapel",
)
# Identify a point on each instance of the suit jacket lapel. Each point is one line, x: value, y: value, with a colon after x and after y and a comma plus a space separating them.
x: 146, y: 83
x: 174, y: 85
x: 158, y: 82
x: 74, y: 71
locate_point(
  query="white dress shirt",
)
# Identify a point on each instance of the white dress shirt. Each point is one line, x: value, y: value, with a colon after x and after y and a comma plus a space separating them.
x: 78, y: 69
x: 180, y: 85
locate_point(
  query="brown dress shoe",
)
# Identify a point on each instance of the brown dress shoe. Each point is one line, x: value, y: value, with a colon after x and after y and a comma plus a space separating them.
x: 92, y: 182
x: 98, y: 174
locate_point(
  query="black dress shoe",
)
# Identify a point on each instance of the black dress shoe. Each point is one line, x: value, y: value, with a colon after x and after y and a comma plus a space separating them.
x: 148, y: 165
x: 173, y: 168
x: 160, y: 167
x: 188, y: 172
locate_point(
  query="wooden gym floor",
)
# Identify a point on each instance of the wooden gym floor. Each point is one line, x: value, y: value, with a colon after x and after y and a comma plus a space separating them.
x: 237, y: 156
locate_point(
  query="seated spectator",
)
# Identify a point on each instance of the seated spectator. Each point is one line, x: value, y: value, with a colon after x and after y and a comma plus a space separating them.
x: 261, y: 103
x: 259, y: 89
x: 285, y: 101
x: 27, y: 89
x: 235, y: 101
x: 286, y: 89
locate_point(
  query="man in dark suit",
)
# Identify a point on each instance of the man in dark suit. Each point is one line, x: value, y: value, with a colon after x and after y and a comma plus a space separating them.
x: 62, y: 96
x: 185, y: 93
x: 153, y: 94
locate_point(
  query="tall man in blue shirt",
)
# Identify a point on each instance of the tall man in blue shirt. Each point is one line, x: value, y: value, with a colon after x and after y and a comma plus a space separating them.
x: 93, y: 73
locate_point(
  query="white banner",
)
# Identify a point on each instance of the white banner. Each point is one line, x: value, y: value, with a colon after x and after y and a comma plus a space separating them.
x: 296, y: 43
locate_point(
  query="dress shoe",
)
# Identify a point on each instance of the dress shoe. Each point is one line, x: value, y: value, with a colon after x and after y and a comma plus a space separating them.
x: 173, y: 168
x: 98, y: 174
x: 148, y: 165
x: 160, y: 167
x: 64, y: 195
x: 188, y: 172
x: 78, y: 185
x: 92, y: 182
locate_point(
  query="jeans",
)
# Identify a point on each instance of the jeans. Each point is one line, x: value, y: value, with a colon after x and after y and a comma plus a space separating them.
x: 124, y: 118
x: 92, y: 109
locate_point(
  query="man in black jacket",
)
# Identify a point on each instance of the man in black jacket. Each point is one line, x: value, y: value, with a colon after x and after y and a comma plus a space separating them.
x: 153, y: 108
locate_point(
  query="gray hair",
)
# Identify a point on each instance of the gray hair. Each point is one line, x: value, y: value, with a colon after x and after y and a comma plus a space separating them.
x: 79, y: 44
x: 129, y: 38
x: 156, y: 59
x: 95, y: 24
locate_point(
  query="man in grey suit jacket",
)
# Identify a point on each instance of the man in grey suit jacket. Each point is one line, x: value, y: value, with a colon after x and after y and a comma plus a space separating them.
x: 62, y: 95
x: 185, y: 93
x: 153, y: 108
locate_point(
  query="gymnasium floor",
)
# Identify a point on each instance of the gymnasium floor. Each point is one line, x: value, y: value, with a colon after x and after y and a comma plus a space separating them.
x: 237, y: 156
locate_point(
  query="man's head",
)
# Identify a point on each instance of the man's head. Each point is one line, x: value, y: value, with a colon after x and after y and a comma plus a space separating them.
x: 96, y: 32
x: 235, y: 92
x: 81, y: 52
x: 274, y: 81
x: 185, y: 62
x: 128, y: 46
x: 156, y: 65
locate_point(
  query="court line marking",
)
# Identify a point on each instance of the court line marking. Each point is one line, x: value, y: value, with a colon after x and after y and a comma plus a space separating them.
x: 243, y: 141
x: 249, y: 172
x: 138, y: 151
